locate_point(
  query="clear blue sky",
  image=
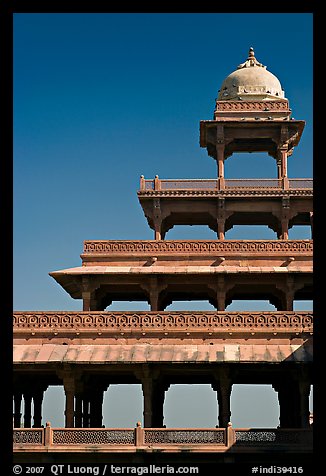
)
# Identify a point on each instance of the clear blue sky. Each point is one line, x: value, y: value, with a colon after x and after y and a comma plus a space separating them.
x: 100, y: 99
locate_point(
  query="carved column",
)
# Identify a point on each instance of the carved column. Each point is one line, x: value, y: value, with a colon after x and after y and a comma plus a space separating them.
x: 289, y: 294
x: 220, y: 155
x: 283, y: 155
x: 159, y: 390
x: 27, y: 409
x: 294, y: 404
x: 220, y: 294
x: 153, y: 288
x: 96, y: 407
x: 153, y: 394
x: 69, y: 385
x: 79, y: 389
x: 221, y: 218
x: 86, y: 410
x: 311, y: 214
x: 78, y: 409
x: 220, y: 147
x: 157, y: 219
x: 89, y: 287
x: 154, y: 299
x: 38, y: 400
x: 279, y: 166
x: 223, y: 386
x: 284, y: 400
x: 147, y: 387
x: 304, y: 392
x: 285, y: 216
x: 17, y: 408
x: 283, y: 152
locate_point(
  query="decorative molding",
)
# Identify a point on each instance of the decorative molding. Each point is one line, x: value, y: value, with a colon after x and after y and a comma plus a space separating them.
x: 195, y: 246
x: 132, y: 322
x: 252, y: 105
x: 236, y: 192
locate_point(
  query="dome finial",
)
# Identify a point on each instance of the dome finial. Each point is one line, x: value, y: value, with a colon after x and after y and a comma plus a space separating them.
x: 251, y: 53
x: 251, y: 60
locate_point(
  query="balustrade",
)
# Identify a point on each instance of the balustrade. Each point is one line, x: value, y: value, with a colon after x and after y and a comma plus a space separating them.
x: 151, y: 438
x: 213, y: 184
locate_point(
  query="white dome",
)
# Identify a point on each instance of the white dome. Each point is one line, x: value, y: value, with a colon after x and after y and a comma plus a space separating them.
x: 251, y: 81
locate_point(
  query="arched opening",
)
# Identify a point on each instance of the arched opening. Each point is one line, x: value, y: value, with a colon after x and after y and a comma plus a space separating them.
x: 250, y: 232
x: 300, y: 232
x: 257, y: 305
x: 302, y: 305
x: 250, y: 165
x: 128, y: 306
x: 190, y: 232
x: 54, y: 406
x: 254, y: 406
x: 190, y: 406
x: 190, y: 306
x: 123, y: 406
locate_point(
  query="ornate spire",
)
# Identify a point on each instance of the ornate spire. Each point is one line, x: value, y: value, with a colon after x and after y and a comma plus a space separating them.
x: 251, y: 60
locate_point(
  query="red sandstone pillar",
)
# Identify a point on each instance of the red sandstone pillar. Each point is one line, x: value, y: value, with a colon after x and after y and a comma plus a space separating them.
x: 157, y: 231
x: 154, y: 301
x: 147, y: 387
x: 221, y: 218
x: 96, y: 402
x: 17, y: 409
x: 86, y: 410
x: 220, y: 147
x: 304, y: 391
x: 223, y: 387
x: 157, y: 214
x: 220, y: 300
x: 289, y: 402
x: 220, y: 293
x: 285, y: 229
x: 221, y: 229
x: 69, y: 388
x: 89, y: 287
x: 159, y: 390
x: 38, y: 399
x: 89, y: 301
x: 154, y: 290
x: 311, y: 223
x: 27, y: 410
x: 78, y: 410
x: 288, y: 294
x: 279, y: 168
x: 284, y: 156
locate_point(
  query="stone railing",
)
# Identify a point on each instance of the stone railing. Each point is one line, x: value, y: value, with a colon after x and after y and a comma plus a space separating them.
x: 224, y: 184
x: 196, y: 439
x: 152, y: 322
x: 209, y: 247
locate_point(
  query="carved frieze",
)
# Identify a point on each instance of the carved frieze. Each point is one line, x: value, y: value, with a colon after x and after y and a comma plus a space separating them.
x: 252, y: 106
x: 112, y: 322
x: 237, y: 192
x: 195, y: 246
